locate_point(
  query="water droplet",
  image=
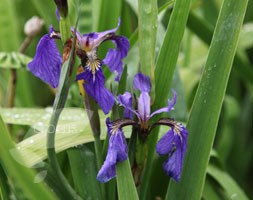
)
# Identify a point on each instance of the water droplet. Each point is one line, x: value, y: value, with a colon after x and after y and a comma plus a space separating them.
x: 148, y: 9
x: 16, y: 116
x: 31, y: 141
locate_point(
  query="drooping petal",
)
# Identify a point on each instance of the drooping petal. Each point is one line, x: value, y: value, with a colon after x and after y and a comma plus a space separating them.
x: 117, y: 152
x: 169, y: 107
x: 46, y: 63
x: 114, y: 57
x: 96, y: 89
x: 142, y: 83
x: 125, y: 100
x: 165, y: 144
x: 173, y: 165
x: 173, y: 143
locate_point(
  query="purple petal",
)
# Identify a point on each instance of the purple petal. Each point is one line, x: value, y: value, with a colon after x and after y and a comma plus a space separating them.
x: 169, y: 107
x: 57, y: 14
x: 165, y: 144
x: 144, y: 106
x: 102, y: 36
x: 96, y: 89
x: 125, y: 100
x: 46, y: 63
x: 173, y: 143
x: 79, y: 37
x: 91, y: 41
x: 114, y: 57
x: 173, y: 165
x: 117, y: 152
x: 142, y: 83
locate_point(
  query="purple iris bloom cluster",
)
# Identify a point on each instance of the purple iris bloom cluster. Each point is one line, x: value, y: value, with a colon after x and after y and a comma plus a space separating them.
x: 47, y: 62
x: 173, y: 143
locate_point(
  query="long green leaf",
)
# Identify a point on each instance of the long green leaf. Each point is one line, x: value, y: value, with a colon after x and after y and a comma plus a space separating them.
x: 125, y: 182
x: 73, y: 129
x: 83, y: 169
x: 147, y: 35
x: 208, y: 101
x: 164, y: 71
x: 22, y: 175
x: 228, y: 184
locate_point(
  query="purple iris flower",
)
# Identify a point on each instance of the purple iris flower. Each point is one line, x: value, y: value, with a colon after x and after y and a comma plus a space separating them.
x: 173, y: 143
x: 47, y: 62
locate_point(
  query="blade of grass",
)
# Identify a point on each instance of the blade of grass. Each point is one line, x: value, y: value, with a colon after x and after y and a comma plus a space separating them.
x: 164, y: 71
x: 23, y: 176
x: 208, y: 101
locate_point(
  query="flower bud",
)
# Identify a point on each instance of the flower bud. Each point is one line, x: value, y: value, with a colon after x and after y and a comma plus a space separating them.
x: 33, y: 26
x: 62, y: 6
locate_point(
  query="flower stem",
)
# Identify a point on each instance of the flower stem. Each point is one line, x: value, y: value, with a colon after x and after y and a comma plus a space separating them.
x: 92, y: 112
x: 70, y: 193
x: 61, y: 96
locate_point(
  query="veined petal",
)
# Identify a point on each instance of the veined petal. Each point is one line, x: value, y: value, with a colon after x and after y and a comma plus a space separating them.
x: 142, y: 83
x: 96, y: 89
x: 46, y: 63
x: 117, y: 152
x: 165, y: 144
x: 169, y: 107
x: 91, y: 41
x: 173, y: 165
x: 144, y: 106
x: 125, y: 100
x: 173, y: 143
x: 102, y: 36
x: 114, y: 57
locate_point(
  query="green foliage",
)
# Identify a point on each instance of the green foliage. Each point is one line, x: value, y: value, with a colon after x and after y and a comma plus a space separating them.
x: 200, y: 48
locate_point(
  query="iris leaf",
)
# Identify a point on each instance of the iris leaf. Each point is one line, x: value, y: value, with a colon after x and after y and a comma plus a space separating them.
x: 147, y: 19
x: 165, y: 67
x: 208, y: 101
x: 21, y: 175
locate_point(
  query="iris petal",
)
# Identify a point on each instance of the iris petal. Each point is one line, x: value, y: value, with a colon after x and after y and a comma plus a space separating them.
x: 165, y: 144
x: 114, y: 57
x: 142, y: 83
x: 125, y: 100
x: 169, y: 107
x: 96, y: 89
x: 174, y: 144
x: 144, y: 106
x: 117, y: 152
x: 46, y: 63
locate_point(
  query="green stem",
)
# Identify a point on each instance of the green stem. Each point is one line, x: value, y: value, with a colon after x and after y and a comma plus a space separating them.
x: 70, y: 193
x: 92, y: 112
